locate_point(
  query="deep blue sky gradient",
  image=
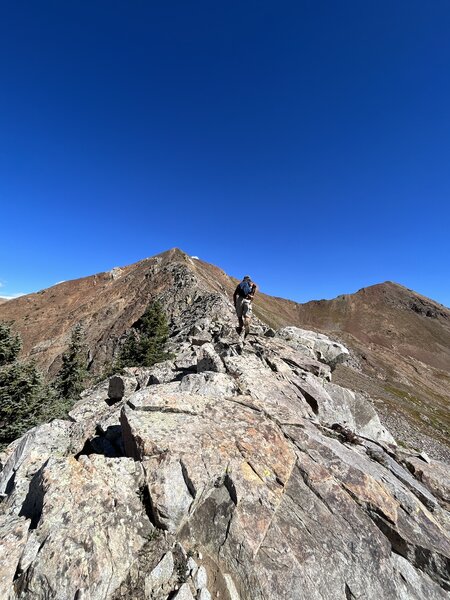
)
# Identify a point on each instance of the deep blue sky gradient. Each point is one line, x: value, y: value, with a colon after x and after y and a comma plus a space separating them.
x: 306, y: 142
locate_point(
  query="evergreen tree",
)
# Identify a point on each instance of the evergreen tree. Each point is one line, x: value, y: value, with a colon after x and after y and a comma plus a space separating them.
x: 69, y: 382
x: 10, y: 344
x: 21, y: 389
x: 145, y: 344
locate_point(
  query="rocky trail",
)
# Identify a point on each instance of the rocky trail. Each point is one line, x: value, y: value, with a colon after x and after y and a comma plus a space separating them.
x: 237, y: 470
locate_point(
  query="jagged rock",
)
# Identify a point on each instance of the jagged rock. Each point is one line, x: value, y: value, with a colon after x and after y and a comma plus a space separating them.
x: 240, y: 450
x: 364, y: 420
x: 186, y: 362
x: 191, y: 566
x: 434, y: 475
x: 209, y: 384
x: 209, y: 360
x: 203, y: 337
x: 267, y: 391
x: 90, y: 524
x: 121, y: 386
x: 204, y: 594
x: 163, y: 372
x: 395, y: 510
x: 30, y: 453
x: 230, y: 587
x: 184, y: 593
x: 160, y: 575
x: 317, y: 345
x: 276, y: 352
x: 200, y: 578
x: 170, y: 495
x: 378, y: 454
x: 13, y: 536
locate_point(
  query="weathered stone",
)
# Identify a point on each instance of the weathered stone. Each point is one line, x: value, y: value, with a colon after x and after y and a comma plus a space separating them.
x: 13, y: 537
x: 209, y: 360
x: 395, y: 510
x: 30, y: 453
x: 317, y: 345
x: 231, y: 588
x: 240, y: 449
x: 435, y: 475
x: 240, y: 465
x: 121, y: 386
x: 90, y: 527
x: 209, y: 384
x: 169, y: 492
x: 160, y: 575
x: 402, y: 475
x: 184, y: 593
x: 271, y: 393
x: 163, y: 372
x: 363, y: 420
x: 414, y: 584
x: 191, y: 566
x: 203, y: 337
x: 186, y: 360
x: 200, y: 578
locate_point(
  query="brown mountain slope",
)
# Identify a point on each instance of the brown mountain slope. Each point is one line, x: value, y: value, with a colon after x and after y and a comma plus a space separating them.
x: 400, y: 340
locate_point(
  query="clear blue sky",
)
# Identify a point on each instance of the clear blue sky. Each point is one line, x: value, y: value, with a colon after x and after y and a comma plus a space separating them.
x: 304, y: 142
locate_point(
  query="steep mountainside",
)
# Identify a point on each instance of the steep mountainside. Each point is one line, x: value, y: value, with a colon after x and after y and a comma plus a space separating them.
x: 401, y: 348
x: 400, y: 341
x: 237, y: 470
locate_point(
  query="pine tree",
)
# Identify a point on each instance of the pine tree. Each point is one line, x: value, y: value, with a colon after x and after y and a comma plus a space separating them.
x: 10, y: 344
x: 145, y: 344
x: 70, y: 379
x: 21, y: 389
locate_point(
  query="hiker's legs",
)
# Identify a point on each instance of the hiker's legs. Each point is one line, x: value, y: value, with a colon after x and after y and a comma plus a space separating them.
x: 247, y: 315
x: 239, y: 313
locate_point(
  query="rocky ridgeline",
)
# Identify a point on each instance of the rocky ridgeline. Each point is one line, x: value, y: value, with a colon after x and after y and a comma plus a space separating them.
x: 237, y: 470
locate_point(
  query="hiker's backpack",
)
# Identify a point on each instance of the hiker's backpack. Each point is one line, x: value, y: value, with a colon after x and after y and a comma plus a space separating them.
x: 245, y: 288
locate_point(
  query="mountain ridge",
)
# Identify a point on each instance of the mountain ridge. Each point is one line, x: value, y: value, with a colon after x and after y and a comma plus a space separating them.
x: 399, y: 340
x: 237, y: 469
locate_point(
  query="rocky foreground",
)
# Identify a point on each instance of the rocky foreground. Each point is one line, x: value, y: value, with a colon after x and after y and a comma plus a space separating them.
x: 238, y: 470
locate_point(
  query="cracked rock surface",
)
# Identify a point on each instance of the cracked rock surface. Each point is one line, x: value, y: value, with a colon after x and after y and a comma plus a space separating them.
x: 237, y: 470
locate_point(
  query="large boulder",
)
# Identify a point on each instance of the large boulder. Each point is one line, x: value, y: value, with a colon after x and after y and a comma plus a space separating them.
x: 316, y: 345
x: 90, y: 524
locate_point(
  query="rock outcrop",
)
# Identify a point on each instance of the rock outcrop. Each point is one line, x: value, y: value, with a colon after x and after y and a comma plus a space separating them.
x: 237, y: 470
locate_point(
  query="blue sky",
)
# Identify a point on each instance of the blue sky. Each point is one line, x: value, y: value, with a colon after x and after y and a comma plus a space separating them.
x: 306, y: 142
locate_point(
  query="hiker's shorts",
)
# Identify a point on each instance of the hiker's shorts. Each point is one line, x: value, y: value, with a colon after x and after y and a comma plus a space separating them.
x: 243, y: 308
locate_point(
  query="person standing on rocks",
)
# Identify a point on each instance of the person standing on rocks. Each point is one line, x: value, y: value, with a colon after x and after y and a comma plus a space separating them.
x: 243, y: 298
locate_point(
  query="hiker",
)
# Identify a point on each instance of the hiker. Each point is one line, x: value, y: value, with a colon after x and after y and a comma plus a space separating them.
x: 242, y: 298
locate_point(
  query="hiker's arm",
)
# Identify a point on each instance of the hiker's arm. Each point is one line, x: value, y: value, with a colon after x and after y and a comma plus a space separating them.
x: 235, y: 296
x: 254, y: 290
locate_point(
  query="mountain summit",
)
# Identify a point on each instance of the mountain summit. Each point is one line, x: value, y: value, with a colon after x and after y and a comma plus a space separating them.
x: 235, y: 469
